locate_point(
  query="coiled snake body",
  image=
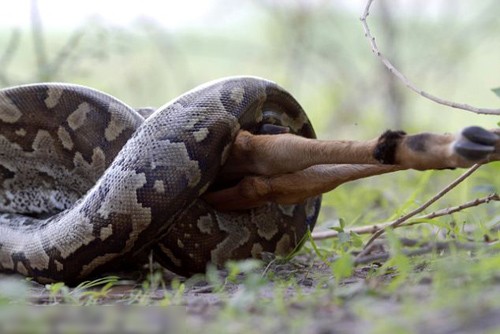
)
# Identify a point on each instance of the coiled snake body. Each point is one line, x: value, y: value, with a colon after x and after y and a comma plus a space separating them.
x: 88, y: 184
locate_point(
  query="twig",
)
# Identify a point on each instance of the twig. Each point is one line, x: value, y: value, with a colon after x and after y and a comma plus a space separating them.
x: 421, y: 208
x: 450, y: 210
x: 66, y: 51
x: 48, y: 69
x: 370, y: 229
x: 406, y: 81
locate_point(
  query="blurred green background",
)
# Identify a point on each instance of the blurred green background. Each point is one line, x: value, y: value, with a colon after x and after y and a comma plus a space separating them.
x: 148, y: 52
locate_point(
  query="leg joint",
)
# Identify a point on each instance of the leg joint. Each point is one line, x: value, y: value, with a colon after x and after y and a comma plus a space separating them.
x: 387, y: 144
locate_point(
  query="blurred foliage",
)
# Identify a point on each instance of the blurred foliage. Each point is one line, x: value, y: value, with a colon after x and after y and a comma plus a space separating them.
x: 316, y: 49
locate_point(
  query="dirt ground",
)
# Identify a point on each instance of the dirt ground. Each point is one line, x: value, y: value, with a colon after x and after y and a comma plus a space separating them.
x: 308, y: 302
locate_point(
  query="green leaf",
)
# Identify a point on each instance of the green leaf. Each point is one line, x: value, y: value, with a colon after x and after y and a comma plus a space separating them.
x: 356, y: 239
x: 344, y: 238
x: 315, y: 247
x: 496, y: 91
x: 54, y: 288
x: 341, y: 226
x: 403, y: 264
x: 343, y: 266
x: 241, y: 267
x: 342, y: 223
x: 100, y: 281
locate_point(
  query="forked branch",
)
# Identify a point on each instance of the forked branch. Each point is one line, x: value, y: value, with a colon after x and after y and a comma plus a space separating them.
x: 370, y: 229
x: 406, y: 81
x: 421, y: 208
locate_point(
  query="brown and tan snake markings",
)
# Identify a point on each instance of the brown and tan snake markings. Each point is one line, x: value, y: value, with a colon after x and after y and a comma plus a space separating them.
x: 86, y: 184
x: 226, y: 171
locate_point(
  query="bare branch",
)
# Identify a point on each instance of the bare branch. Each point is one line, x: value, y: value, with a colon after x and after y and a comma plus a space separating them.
x: 451, y: 210
x: 48, y: 69
x: 66, y: 50
x: 370, y: 229
x: 406, y: 81
x: 424, y: 206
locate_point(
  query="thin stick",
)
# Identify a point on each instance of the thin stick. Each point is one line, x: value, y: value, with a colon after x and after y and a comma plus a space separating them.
x: 70, y: 47
x: 421, y: 208
x: 407, y: 82
x: 370, y: 229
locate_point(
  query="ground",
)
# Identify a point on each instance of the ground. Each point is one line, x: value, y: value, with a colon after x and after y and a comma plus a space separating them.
x: 301, y: 296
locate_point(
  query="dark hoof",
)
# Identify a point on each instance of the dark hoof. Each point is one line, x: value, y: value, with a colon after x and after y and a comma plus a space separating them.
x: 476, y: 143
x: 479, y: 135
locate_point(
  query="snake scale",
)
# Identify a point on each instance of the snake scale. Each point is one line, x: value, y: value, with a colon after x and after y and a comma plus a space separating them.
x: 88, y: 184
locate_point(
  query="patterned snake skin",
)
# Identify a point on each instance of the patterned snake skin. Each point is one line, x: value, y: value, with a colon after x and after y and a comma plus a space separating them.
x: 87, y: 184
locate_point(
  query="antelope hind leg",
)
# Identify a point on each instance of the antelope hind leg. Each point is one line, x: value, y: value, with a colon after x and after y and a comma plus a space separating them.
x: 286, y: 169
x: 290, y: 188
x: 284, y: 153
